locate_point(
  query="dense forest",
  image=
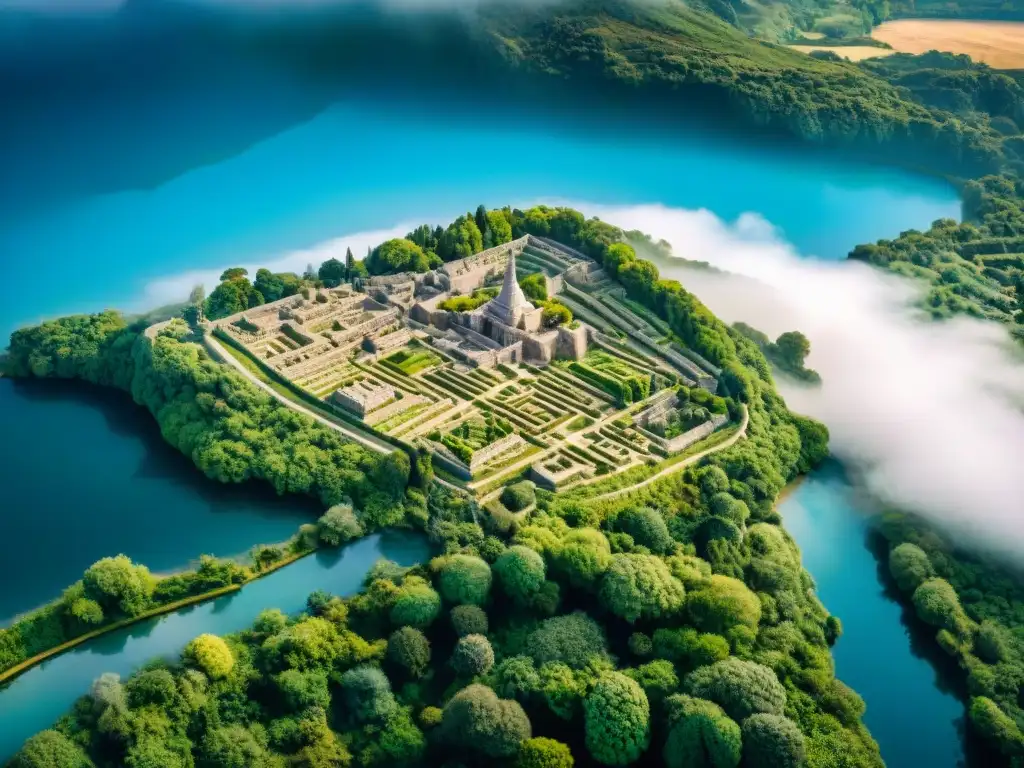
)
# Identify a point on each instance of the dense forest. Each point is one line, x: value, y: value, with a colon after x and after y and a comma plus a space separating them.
x: 672, y: 627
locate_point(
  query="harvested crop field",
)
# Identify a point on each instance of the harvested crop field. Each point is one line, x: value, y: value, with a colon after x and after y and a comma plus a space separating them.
x: 1000, y: 44
x: 851, y: 52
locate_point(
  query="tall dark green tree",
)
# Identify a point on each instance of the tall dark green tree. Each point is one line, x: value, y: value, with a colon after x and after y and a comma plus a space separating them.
x: 350, y: 261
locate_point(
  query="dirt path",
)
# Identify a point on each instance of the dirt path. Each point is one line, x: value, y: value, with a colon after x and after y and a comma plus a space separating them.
x: 224, y: 356
x: 739, y: 434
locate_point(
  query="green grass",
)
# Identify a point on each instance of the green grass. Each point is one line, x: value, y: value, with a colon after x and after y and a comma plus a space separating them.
x: 411, y: 361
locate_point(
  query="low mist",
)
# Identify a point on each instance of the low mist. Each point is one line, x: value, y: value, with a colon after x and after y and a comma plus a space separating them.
x: 930, y: 413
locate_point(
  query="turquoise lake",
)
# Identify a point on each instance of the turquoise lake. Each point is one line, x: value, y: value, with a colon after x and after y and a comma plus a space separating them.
x: 104, y: 194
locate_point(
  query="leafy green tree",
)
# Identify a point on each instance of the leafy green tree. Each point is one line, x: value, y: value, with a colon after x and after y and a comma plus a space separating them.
x: 475, y: 719
x: 723, y: 603
x: 86, y: 611
x: 521, y: 572
x: 119, y: 586
x: 462, y: 239
x: 647, y: 528
x: 574, y: 639
x: 350, y: 263
x: 772, y: 741
x: 312, y: 643
x: 270, y: 621
x: 518, y: 496
x: 793, y: 348
x: 151, y: 687
x: 233, y: 273
x: 50, y: 749
x: 501, y: 229
x: 516, y: 677
x: 367, y: 694
x: 713, y: 480
x: 469, y: 620
x: 584, y: 557
x: 688, y: 648
x: 465, y: 579
x: 482, y: 222
x: 741, y: 688
x: 235, y: 746
x: 936, y: 603
x: 555, y: 314
x: 725, y: 505
x: 410, y: 650
x: 700, y: 735
x: 231, y: 297
x: 302, y: 690
x: 618, y: 256
x: 909, y: 566
x: 473, y: 656
x: 542, y: 752
x: 996, y: 726
x: 641, y: 586
x: 640, y: 645
x: 275, y: 286
x: 417, y: 604
x: 331, y: 273
x: 657, y: 678
x: 617, y: 720
x: 338, y: 525
x: 211, y: 655
x: 397, y: 255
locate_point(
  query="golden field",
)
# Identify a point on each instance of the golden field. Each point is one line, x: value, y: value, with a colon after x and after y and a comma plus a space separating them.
x: 999, y: 44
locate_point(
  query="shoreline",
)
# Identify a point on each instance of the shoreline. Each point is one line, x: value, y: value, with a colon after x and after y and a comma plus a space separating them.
x: 27, y: 664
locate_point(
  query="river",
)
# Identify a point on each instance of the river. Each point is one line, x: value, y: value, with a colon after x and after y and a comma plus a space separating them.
x: 206, y: 164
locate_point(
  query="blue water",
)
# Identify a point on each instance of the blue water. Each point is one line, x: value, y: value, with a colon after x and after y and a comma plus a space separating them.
x: 911, y: 712
x: 37, y: 698
x: 363, y: 165
x: 114, y: 181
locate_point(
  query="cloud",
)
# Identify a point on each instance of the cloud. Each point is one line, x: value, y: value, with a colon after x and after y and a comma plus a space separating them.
x: 930, y: 412
x: 175, y: 288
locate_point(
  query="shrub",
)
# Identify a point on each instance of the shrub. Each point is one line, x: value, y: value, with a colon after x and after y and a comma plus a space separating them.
x: 574, y: 639
x: 465, y: 579
x: 647, y: 528
x: 937, y: 604
x: 700, y: 735
x: 50, y: 749
x: 520, y: 571
x: 367, y: 694
x: 409, y: 649
x: 338, y: 525
x: 542, y: 752
x: 417, y: 604
x: 584, y: 557
x: 616, y: 720
x: 211, y: 655
x: 234, y: 746
x: 469, y: 620
x: 688, y: 648
x: 657, y: 678
x: 516, y: 678
x: 640, y: 645
x: 723, y: 603
x: 477, y: 720
x: 301, y: 690
x: 772, y: 741
x: 741, y: 688
x: 473, y: 655
x: 119, y: 586
x: 519, y: 496
x: 638, y: 586
x: 909, y: 566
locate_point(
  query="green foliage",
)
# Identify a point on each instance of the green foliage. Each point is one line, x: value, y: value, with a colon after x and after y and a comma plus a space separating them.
x: 741, y: 688
x: 332, y: 272
x: 641, y: 586
x: 541, y: 752
x: 996, y: 727
x: 461, y: 240
x: 617, y: 720
x: 338, y: 525
x: 475, y: 719
x: 397, y: 255
x: 519, y: 496
x: 535, y: 287
x: 473, y: 656
x: 211, y: 655
x: 657, y: 678
x: 410, y: 650
x: 235, y: 746
x: 469, y: 620
x: 647, y: 528
x: 688, y: 648
x: 50, y: 749
x: 909, y: 566
x: 520, y: 572
x: 772, y: 741
x: 235, y: 294
x: 700, y: 735
x: 302, y: 690
x: 367, y: 694
x: 118, y: 586
x: 516, y: 678
x: 937, y: 604
x: 723, y: 603
x: 416, y: 605
x: 574, y: 639
x: 583, y: 557
x: 465, y: 580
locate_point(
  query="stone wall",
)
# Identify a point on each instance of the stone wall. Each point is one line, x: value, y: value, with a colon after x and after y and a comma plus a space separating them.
x: 572, y: 343
x: 385, y: 413
x: 506, y: 444
x: 685, y: 440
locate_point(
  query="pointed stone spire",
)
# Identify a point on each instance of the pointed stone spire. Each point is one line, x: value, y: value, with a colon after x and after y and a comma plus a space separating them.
x: 509, y: 305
